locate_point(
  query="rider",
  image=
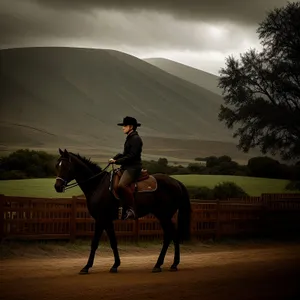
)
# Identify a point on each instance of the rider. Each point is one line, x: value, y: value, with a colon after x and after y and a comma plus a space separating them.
x: 130, y: 162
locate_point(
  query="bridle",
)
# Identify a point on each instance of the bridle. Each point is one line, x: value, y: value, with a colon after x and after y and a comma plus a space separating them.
x: 67, y: 186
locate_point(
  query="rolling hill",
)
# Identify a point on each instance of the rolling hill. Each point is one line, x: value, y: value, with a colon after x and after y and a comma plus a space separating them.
x: 73, y: 97
x: 196, y: 76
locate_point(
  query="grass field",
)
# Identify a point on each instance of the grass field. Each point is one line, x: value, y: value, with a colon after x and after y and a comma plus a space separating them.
x: 252, y: 185
x: 45, y: 187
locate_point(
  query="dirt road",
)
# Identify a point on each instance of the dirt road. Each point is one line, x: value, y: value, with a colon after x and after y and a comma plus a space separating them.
x: 254, y: 273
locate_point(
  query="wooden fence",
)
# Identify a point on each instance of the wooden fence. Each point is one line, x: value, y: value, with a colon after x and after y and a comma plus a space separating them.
x: 68, y: 218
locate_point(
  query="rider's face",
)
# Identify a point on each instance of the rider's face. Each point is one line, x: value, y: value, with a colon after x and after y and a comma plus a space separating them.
x: 127, y: 128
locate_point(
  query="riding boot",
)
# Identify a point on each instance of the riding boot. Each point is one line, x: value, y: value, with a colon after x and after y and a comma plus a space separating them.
x: 128, y: 199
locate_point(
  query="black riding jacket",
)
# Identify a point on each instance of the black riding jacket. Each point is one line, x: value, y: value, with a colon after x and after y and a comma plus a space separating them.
x: 131, y: 157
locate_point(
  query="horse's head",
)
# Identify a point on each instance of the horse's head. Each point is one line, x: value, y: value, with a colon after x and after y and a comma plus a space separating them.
x: 65, y: 171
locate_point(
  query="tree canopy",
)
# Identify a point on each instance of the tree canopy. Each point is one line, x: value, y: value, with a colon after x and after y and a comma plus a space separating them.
x: 261, y: 89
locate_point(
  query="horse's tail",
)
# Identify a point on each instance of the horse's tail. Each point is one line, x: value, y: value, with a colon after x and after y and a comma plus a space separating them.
x: 184, y: 215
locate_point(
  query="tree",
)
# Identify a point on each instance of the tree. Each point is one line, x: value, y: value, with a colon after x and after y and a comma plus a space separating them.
x: 25, y: 163
x: 162, y: 161
x: 266, y: 167
x: 262, y: 89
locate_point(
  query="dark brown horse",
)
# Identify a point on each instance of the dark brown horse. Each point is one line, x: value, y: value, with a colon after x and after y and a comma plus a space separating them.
x: 158, y: 194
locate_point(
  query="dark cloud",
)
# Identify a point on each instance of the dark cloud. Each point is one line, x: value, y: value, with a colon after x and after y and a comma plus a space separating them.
x: 230, y: 10
x: 201, y: 31
x: 28, y: 22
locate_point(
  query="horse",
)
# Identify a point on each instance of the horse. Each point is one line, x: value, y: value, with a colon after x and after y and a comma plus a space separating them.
x: 157, y: 194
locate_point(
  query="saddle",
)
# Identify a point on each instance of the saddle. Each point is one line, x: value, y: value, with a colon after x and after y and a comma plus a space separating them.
x: 144, y: 183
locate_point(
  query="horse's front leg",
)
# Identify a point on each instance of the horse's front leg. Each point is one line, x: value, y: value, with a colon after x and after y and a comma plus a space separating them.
x: 110, y: 230
x: 167, y: 229
x: 94, y: 245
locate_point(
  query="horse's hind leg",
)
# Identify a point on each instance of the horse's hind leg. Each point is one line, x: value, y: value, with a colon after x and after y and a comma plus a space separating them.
x: 167, y: 229
x: 110, y: 230
x: 176, y: 249
x: 94, y: 245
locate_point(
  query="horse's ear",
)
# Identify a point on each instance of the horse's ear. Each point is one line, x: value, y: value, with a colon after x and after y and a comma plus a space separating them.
x: 60, y: 151
x: 66, y: 153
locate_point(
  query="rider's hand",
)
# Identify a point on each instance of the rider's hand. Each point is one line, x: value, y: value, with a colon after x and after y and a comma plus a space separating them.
x: 111, y: 161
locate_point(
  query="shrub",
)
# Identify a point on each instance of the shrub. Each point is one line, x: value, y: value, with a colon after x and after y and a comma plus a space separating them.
x: 221, y: 191
x: 293, y: 186
x: 196, y: 168
x: 227, y: 190
x: 201, y: 193
x: 12, y: 174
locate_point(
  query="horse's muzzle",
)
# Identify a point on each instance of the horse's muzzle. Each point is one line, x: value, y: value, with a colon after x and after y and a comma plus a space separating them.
x: 59, y: 185
x: 59, y: 188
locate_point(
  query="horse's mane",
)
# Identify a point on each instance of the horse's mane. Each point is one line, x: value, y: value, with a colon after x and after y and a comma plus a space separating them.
x: 92, y: 165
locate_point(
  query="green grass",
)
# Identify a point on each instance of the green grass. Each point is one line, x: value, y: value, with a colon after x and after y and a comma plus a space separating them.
x: 42, y: 187
x: 252, y: 185
x: 45, y: 187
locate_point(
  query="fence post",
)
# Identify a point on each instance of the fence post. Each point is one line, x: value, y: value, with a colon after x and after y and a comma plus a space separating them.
x: 1, y: 217
x: 136, y: 230
x: 73, y: 219
x: 218, y: 234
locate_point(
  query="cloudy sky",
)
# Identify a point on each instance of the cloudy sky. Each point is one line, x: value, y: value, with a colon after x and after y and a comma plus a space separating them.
x: 195, y: 32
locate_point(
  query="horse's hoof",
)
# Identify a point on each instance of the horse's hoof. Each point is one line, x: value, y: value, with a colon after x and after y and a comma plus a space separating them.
x: 156, y: 270
x: 173, y: 269
x: 84, y: 271
x: 113, y: 270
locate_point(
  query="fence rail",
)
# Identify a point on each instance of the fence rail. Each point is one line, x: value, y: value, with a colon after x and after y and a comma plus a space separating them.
x: 61, y: 218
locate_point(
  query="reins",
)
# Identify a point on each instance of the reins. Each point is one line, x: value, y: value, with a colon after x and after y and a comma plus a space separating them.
x: 69, y: 186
